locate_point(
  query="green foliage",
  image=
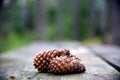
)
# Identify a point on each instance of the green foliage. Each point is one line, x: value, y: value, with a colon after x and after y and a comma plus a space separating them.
x: 51, y: 33
x: 67, y: 27
x: 52, y: 13
x: 84, y: 19
x: 19, y: 35
x: 15, y: 33
x: 13, y: 41
x: 93, y: 41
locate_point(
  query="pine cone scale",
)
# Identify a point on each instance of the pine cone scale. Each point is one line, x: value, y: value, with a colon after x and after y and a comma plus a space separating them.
x: 58, y: 61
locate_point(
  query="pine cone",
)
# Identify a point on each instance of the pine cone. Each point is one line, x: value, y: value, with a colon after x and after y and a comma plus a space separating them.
x: 42, y: 60
x: 66, y: 64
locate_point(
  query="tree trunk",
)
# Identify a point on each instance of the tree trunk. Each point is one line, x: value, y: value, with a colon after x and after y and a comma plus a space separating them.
x: 103, y: 20
x: 11, y: 15
x: 76, y: 19
x: 1, y: 13
x: 25, y: 13
x: 59, y: 20
x: 41, y: 19
x: 92, y: 21
x: 116, y: 22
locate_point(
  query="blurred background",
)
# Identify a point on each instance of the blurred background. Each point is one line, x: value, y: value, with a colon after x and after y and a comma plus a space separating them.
x: 88, y: 21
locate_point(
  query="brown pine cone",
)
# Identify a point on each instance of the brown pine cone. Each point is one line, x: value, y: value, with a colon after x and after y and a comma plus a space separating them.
x: 42, y: 60
x: 64, y: 64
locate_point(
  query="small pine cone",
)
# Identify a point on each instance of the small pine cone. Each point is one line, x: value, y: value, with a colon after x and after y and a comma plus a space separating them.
x: 42, y: 60
x: 64, y: 65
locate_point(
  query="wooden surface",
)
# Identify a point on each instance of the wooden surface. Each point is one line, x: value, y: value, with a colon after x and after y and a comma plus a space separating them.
x: 109, y: 53
x: 19, y: 63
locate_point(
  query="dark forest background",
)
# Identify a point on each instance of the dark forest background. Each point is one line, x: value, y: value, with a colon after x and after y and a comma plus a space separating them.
x: 87, y: 21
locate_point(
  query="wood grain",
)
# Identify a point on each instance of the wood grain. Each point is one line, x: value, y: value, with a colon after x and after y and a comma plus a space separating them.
x: 19, y: 63
x: 110, y: 54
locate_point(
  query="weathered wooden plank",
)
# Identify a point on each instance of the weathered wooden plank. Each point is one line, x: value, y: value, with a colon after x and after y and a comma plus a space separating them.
x: 10, y: 63
x: 20, y: 64
x: 111, y: 54
x: 97, y: 69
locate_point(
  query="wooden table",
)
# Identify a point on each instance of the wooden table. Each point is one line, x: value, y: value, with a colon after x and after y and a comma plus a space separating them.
x: 18, y: 64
